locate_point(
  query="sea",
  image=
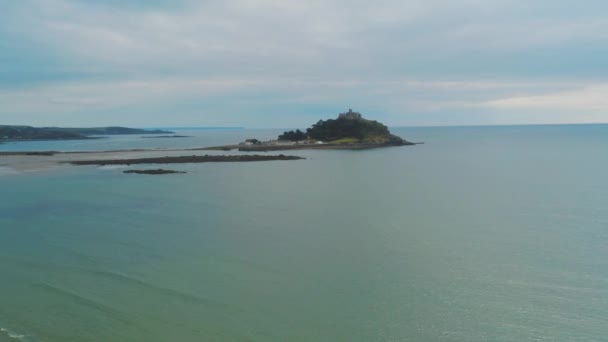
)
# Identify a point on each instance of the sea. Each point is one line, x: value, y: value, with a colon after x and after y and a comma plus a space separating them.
x: 479, y: 234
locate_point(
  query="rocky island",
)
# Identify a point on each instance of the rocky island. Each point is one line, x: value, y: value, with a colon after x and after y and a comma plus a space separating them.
x: 27, y: 133
x: 348, y: 131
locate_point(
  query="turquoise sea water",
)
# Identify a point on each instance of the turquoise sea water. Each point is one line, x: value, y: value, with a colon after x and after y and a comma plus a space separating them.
x: 480, y: 234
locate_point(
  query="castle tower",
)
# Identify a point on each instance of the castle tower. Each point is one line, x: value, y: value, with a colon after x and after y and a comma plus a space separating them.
x: 350, y: 115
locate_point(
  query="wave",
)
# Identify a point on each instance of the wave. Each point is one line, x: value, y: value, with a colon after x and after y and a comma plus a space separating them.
x: 143, y: 285
x: 107, y: 310
x: 12, y: 334
x: 166, y: 291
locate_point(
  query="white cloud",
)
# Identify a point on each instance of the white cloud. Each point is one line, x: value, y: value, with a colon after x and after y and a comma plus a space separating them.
x: 399, y: 57
x: 581, y: 104
x: 386, y: 96
x: 69, y: 97
x: 311, y: 36
x: 593, y: 98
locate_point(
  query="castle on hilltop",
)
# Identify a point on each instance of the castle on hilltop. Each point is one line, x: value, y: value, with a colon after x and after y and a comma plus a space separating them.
x: 350, y: 115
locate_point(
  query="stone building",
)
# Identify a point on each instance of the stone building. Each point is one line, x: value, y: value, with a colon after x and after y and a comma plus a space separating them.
x: 350, y: 115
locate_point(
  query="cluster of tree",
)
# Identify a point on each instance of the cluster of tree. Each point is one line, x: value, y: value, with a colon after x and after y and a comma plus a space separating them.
x: 340, y: 128
x: 296, y: 135
x: 334, y: 129
x: 253, y: 141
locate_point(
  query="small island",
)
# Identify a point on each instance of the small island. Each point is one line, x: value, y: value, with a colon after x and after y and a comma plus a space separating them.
x: 28, y: 133
x: 348, y: 131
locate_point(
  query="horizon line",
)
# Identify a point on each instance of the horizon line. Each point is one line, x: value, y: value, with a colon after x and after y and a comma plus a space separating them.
x: 395, y: 126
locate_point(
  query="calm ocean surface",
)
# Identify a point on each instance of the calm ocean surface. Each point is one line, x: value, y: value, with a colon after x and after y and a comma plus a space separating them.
x: 481, y: 234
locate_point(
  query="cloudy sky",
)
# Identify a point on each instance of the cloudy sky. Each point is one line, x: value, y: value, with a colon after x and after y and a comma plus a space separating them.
x: 281, y: 63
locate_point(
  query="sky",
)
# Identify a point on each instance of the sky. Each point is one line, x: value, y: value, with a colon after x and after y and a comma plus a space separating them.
x: 286, y: 64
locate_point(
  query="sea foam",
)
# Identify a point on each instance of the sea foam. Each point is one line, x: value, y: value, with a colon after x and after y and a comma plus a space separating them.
x: 12, y: 334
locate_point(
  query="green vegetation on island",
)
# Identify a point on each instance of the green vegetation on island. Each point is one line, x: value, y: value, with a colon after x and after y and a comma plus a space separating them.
x: 347, y: 128
x: 23, y: 133
x: 348, y: 131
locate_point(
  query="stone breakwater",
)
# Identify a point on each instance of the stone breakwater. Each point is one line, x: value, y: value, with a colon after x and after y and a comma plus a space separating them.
x: 154, y: 172
x: 185, y: 159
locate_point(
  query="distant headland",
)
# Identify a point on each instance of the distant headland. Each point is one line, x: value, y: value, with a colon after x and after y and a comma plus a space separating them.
x: 26, y: 133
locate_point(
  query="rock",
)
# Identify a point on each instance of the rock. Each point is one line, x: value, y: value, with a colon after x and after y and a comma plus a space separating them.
x: 185, y: 159
x: 153, y: 172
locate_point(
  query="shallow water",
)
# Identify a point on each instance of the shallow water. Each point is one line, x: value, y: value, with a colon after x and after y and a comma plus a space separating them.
x: 480, y: 234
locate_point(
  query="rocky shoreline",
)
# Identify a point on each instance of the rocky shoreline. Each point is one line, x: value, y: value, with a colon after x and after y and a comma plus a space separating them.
x: 326, y: 146
x: 265, y: 147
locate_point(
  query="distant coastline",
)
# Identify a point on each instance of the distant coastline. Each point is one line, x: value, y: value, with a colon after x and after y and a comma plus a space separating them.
x: 219, y: 128
x: 29, y: 133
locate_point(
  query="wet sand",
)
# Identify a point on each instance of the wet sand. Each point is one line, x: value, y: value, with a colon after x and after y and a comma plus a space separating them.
x: 29, y: 161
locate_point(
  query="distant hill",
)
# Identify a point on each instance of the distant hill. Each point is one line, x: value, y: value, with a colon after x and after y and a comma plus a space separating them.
x: 23, y: 133
x: 349, y: 127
